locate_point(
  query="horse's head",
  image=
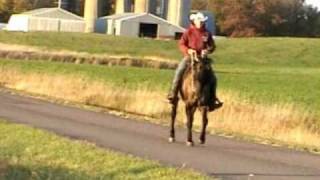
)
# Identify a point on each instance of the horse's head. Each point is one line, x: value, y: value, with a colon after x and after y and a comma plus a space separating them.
x: 195, y: 78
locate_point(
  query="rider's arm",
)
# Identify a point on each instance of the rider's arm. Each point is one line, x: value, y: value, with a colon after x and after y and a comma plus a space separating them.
x: 211, y: 44
x: 183, y: 43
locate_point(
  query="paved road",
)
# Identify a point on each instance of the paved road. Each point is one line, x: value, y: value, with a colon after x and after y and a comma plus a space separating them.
x: 221, y: 157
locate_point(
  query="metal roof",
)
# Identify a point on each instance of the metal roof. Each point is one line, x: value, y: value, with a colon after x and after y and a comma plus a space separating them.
x: 37, y: 11
x: 53, y: 13
x: 122, y: 16
x: 128, y: 16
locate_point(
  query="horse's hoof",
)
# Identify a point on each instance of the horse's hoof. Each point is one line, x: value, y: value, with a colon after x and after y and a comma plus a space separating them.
x: 171, y: 140
x: 190, y: 144
x: 202, y: 142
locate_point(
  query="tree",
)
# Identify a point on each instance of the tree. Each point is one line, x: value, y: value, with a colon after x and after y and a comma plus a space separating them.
x: 200, y: 4
x: 238, y: 18
x: 9, y: 7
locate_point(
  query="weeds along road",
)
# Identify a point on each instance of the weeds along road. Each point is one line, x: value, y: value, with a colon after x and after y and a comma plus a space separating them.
x: 224, y: 158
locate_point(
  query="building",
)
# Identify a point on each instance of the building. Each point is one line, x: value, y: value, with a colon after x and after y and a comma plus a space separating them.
x: 2, y: 26
x: 138, y: 18
x: 145, y: 18
x: 175, y: 11
x: 46, y: 19
x: 138, y: 25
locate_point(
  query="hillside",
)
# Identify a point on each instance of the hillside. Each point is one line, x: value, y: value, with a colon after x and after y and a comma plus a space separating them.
x: 289, y: 52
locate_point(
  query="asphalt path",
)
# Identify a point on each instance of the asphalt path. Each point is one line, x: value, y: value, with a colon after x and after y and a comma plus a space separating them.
x: 220, y: 157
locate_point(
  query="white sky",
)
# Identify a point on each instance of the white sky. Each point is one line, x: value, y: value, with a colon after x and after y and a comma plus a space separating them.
x: 315, y: 3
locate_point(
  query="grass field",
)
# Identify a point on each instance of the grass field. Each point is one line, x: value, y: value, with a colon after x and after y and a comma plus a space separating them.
x: 27, y: 153
x: 262, y: 85
x: 254, y: 112
x: 269, y: 85
x: 283, y: 52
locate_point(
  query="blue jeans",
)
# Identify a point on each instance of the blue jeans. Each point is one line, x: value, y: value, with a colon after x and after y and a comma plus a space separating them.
x: 179, y: 72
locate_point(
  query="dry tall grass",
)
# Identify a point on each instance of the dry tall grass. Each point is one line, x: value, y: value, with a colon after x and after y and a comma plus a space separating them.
x: 20, y: 52
x: 281, y: 122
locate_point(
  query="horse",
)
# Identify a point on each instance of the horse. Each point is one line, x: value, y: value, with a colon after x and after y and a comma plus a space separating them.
x: 195, y: 92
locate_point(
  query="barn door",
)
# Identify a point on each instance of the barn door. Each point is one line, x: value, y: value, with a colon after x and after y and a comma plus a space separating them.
x: 148, y: 30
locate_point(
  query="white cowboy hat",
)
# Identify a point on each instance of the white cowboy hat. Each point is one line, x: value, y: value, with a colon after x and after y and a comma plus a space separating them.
x: 198, y: 16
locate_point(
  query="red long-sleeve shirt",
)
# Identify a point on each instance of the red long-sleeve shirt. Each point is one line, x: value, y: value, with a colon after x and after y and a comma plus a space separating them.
x: 196, y: 39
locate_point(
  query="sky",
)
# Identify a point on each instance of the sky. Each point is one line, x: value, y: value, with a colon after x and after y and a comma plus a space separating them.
x: 315, y: 3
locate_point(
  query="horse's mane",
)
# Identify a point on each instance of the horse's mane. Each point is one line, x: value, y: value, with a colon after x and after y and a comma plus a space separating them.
x: 202, y: 74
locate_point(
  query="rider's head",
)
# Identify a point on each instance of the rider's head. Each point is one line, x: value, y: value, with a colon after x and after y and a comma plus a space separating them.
x: 198, y: 20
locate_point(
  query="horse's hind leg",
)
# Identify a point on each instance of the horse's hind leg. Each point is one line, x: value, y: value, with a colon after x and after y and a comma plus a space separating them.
x: 173, y: 119
x: 190, y: 110
x: 204, y: 113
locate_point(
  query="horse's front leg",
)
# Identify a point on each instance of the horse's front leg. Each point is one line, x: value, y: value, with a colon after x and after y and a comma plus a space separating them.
x: 204, y: 112
x: 173, y: 119
x: 190, y: 110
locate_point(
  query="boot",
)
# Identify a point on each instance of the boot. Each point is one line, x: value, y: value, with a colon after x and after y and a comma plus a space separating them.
x: 215, y: 104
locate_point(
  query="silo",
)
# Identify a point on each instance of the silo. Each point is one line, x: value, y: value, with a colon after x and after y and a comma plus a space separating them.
x: 178, y: 12
x: 164, y: 9
x: 123, y: 6
x: 141, y: 6
x: 90, y: 15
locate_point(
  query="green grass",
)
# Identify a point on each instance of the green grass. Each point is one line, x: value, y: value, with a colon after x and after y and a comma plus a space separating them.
x: 268, y: 85
x: 130, y: 77
x: 93, y: 43
x: 264, y: 52
x: 36, y: 154
x: 264, y: 85
x: 279, y: 52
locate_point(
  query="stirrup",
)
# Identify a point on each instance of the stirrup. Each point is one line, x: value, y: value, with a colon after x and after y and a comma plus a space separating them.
x: 215, y: 105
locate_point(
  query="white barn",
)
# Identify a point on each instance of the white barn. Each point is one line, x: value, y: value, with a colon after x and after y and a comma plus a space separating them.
x: 46, y: 19
x: 138, y: 25
x: 2, y: 26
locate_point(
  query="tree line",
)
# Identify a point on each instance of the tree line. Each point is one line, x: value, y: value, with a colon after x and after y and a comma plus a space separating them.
x: 246, y: 18
x: 9, y: 7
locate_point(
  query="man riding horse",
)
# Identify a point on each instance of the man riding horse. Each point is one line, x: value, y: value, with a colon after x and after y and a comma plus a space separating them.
x: 197, y: 40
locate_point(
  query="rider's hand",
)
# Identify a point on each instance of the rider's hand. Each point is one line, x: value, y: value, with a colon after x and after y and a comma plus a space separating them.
x: 204, y: 53
x: 191, y: 52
